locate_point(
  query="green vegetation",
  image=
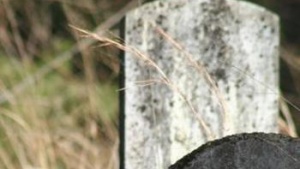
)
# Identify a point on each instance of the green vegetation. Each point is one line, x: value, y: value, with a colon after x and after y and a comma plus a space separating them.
x: 61, y: 121
x: 66, y: 118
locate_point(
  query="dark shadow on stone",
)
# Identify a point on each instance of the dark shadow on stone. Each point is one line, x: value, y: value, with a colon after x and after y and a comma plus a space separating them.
x: 245, y: 151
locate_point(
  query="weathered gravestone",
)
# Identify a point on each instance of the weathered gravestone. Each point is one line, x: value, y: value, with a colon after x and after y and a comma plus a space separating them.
x: 245, y: 151
x: 220, y: 77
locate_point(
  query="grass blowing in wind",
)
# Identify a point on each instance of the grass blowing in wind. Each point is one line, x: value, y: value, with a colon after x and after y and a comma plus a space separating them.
x: 149, y: 62
x: 202, y: 71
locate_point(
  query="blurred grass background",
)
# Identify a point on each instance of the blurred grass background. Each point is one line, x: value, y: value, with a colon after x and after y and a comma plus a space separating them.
x: 65, y: 115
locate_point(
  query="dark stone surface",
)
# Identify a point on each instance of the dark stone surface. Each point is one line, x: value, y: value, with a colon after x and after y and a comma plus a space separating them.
x: 245, y: 151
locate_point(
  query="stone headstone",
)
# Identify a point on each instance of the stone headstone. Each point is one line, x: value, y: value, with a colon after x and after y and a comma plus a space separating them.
x: 234, y: 41
x: 245, y: 151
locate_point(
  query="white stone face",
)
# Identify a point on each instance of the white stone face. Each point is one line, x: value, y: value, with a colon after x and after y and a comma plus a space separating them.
x: 238, y: 44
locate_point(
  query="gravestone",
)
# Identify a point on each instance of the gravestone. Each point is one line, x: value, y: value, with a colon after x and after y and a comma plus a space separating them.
x: 245, y: 151
x: 212, y: 71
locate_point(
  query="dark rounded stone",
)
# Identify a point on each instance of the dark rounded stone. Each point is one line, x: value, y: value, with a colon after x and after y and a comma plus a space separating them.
x: 245, y: 151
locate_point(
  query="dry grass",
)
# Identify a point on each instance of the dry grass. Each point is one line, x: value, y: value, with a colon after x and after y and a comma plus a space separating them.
x: 54, y: 123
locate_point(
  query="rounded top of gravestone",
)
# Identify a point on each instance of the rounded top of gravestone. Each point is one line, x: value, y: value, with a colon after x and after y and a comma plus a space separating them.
x: 245, y: 151
x: 165, y: 5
